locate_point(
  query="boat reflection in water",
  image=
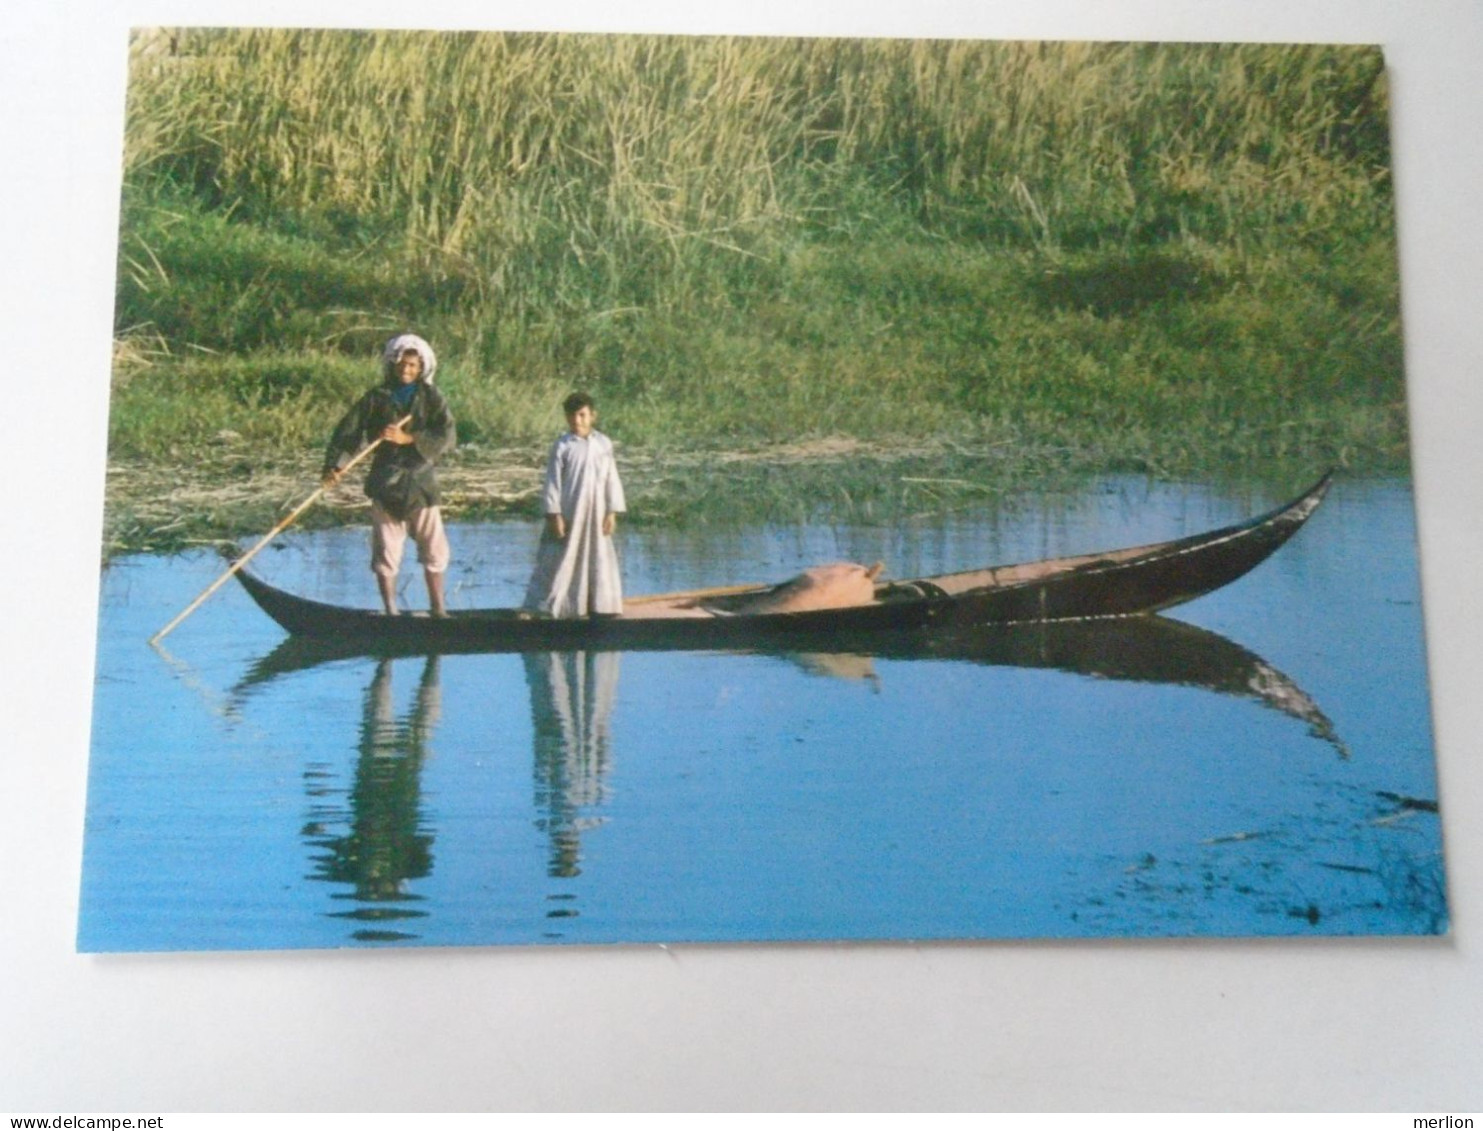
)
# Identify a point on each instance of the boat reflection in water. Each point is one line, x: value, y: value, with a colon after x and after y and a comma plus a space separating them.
x: 1143, y: 649
x: 572, y: 698
x: 386, y: 846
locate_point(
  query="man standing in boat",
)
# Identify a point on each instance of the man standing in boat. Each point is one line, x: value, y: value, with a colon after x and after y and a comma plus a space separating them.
x: 411, y: 420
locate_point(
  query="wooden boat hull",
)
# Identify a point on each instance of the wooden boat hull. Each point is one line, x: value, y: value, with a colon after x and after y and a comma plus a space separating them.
x: 1121, y: 583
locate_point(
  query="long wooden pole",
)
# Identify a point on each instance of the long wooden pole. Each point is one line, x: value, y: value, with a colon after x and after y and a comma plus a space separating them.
x: 269, y: 536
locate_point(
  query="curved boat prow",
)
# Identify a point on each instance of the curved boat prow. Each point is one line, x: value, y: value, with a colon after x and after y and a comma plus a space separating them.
x: 1300, y: 509
x: 1206, y: 562
x: 1211, y: 561
x: 1132, y: 581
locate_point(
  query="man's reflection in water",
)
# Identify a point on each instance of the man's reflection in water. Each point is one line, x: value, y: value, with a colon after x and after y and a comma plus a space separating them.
x: 386, y: 846
x: 571, y: 705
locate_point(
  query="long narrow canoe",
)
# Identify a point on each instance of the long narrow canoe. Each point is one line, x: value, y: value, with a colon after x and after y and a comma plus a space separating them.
x: 1118, y: 583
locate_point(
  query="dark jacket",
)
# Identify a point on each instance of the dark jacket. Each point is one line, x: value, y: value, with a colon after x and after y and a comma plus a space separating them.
x: 402, y: 478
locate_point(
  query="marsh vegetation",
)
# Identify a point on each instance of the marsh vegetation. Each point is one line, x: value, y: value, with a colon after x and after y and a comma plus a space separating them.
x: 878, y: 275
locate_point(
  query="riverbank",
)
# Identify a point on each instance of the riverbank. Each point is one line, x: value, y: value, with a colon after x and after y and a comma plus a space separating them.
x: 152, y: 507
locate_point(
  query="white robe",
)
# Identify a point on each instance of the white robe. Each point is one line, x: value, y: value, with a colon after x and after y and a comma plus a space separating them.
x: 579, y: 575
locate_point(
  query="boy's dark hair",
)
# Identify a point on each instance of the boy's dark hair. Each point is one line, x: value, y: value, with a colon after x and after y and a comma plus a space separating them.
x: 577, y: 401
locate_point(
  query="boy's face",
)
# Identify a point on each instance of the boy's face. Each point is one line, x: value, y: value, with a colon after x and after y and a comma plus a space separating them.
x: 409, y: 366
x: 582, y: 420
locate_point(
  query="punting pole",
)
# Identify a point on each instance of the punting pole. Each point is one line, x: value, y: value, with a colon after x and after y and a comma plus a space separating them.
x: 268, y: 537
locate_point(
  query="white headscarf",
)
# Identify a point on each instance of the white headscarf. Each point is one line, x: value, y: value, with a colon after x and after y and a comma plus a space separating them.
x: 400, y: 345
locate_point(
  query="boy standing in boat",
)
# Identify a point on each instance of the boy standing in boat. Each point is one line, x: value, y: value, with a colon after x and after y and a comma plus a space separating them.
x: 576, y: 570
x: 411, y: 419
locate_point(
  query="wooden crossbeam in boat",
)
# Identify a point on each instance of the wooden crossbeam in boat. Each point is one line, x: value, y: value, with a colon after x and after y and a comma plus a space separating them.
x: 697, y: 594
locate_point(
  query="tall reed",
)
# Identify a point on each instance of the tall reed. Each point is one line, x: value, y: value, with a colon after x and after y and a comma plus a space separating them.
x: 746, y: 237
x: 541, y: 162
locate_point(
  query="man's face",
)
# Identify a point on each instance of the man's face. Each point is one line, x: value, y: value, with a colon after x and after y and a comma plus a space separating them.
x: 409, y: 366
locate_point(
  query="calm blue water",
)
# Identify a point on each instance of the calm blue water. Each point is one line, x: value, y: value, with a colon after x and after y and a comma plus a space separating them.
x: 663, y: 797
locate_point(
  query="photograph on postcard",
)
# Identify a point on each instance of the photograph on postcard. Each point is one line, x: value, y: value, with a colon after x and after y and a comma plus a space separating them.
x: 574, y: 489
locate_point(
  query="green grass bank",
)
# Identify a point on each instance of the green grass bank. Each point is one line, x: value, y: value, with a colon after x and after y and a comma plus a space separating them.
x: 850, y: 266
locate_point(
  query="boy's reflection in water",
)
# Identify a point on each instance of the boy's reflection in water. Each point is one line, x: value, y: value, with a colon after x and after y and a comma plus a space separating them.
x: 386, y: 845
x: 571, y: 705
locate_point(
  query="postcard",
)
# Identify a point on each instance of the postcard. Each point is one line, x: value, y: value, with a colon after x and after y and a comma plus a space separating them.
x: 599, y: 489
